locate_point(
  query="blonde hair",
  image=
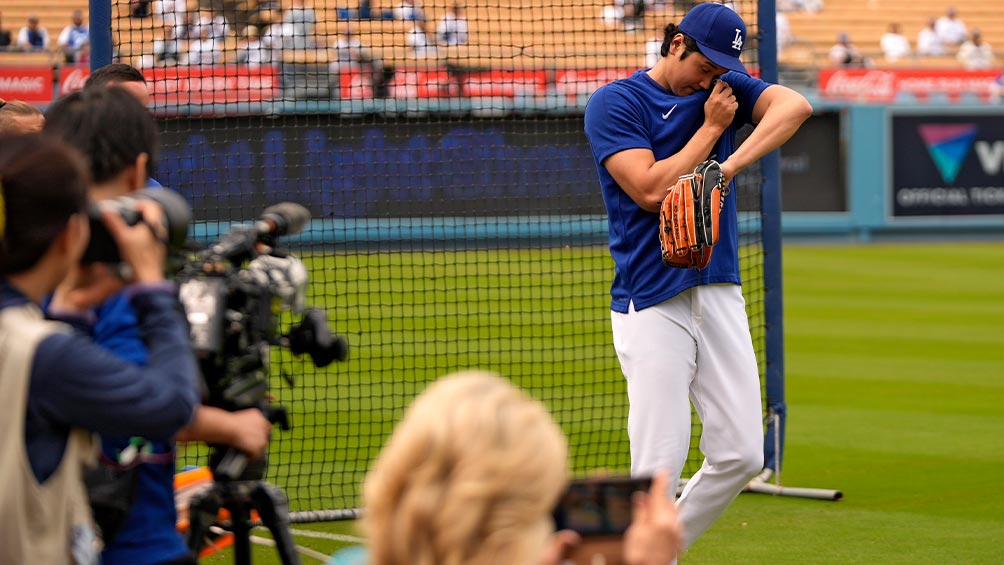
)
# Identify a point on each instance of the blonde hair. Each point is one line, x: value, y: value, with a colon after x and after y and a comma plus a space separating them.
x: 468, y: 477
x: 11, y: 114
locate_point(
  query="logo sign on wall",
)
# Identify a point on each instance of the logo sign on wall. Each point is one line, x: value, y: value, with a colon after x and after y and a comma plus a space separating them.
x: 947, y: 165
x: 29, y: 84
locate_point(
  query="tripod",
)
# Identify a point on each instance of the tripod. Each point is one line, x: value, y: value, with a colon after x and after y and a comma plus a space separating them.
x: 238, y: 488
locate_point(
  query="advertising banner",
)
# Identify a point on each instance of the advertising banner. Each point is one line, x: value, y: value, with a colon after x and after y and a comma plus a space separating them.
x: 170, y: 86
x: 947, y: 165
x: 419, y: 83
x: 573, y: 83
x: 443, y: 82
x: 28, y: 84
x: 504, y: 83
x: 883, y: 85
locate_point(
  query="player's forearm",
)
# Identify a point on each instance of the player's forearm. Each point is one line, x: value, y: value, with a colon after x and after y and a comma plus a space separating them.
x: 695, y: 151
x: 779, y: 123
x: 664, y: 173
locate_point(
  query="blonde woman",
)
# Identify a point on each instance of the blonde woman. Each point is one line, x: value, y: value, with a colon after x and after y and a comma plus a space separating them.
x: 471, y: 475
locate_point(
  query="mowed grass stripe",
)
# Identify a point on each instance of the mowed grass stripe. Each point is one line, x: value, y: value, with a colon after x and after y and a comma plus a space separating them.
x: 865, y: 393
x: 899, y: 431
x: 897, y: 368
x: 760, y: 529
x: 885, y: 481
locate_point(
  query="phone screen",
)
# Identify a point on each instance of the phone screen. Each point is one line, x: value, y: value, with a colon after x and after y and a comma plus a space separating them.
x: 595, y: 507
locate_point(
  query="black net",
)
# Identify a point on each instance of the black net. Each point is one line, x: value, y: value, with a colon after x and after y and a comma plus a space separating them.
x: 457, y: 222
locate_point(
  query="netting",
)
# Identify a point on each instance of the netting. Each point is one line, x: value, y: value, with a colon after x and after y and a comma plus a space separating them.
x: 458, y: 220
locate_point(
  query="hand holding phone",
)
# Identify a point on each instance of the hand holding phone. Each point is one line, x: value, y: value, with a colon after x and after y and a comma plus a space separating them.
x: 622, y: 521
x: 598, y: 506
x: 597, y: 511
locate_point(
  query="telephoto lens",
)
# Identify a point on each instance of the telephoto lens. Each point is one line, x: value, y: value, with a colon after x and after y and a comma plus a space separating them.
x: 177, y: 215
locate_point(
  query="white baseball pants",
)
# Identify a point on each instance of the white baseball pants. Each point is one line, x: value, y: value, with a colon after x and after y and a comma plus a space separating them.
x: 695, y: 347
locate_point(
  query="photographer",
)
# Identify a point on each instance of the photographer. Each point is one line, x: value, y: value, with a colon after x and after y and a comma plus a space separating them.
x: 119, y: 137
x: 58, y: 386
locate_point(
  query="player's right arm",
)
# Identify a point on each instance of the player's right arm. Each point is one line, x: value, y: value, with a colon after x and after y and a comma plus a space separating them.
x: 646, y: 179
x: 778, y: 113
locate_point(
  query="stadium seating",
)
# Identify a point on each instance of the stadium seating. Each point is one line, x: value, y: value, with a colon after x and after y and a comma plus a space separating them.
x: 551, y: 34
x: 866, y: 20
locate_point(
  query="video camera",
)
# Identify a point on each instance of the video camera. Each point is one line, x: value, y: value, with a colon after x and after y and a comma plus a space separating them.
x: 233, y: 293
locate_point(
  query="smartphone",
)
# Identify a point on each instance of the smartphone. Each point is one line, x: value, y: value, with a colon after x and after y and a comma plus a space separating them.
x: 598, y: 506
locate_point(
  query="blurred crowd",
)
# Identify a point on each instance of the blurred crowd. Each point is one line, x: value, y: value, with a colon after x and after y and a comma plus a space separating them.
x: 941, y: 40
x: 72, y: 44
x: 190, y: 32
x: 267, y: 32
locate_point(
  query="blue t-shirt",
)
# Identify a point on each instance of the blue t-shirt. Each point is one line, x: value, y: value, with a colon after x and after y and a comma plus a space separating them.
x: 637, y: 112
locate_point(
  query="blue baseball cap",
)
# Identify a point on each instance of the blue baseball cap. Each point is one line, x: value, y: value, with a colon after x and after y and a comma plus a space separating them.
x: 719, y: 32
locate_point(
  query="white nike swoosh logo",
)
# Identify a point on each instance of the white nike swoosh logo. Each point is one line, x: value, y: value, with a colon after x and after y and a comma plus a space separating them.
x: 666, y: 115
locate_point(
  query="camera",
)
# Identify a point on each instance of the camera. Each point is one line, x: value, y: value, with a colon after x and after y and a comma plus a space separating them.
x: 598, y: 506
x: 177, y: 215
x: 235, y: 293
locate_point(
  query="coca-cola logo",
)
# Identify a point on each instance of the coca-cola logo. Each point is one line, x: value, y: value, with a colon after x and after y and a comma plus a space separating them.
x: 864, y: 84
x: 73, y: 80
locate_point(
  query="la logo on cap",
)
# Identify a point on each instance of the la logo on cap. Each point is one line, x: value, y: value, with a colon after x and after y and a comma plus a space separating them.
x: 719, y: 33
x: 737, y: 43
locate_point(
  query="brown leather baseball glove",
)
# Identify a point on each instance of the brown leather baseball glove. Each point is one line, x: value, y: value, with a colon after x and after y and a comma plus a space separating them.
x: 688, y: 220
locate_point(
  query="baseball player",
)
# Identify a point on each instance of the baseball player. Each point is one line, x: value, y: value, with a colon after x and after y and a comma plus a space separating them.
x: 683, y: 333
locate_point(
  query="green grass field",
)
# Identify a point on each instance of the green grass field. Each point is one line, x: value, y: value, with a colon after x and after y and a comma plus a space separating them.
x: 895, y: 384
